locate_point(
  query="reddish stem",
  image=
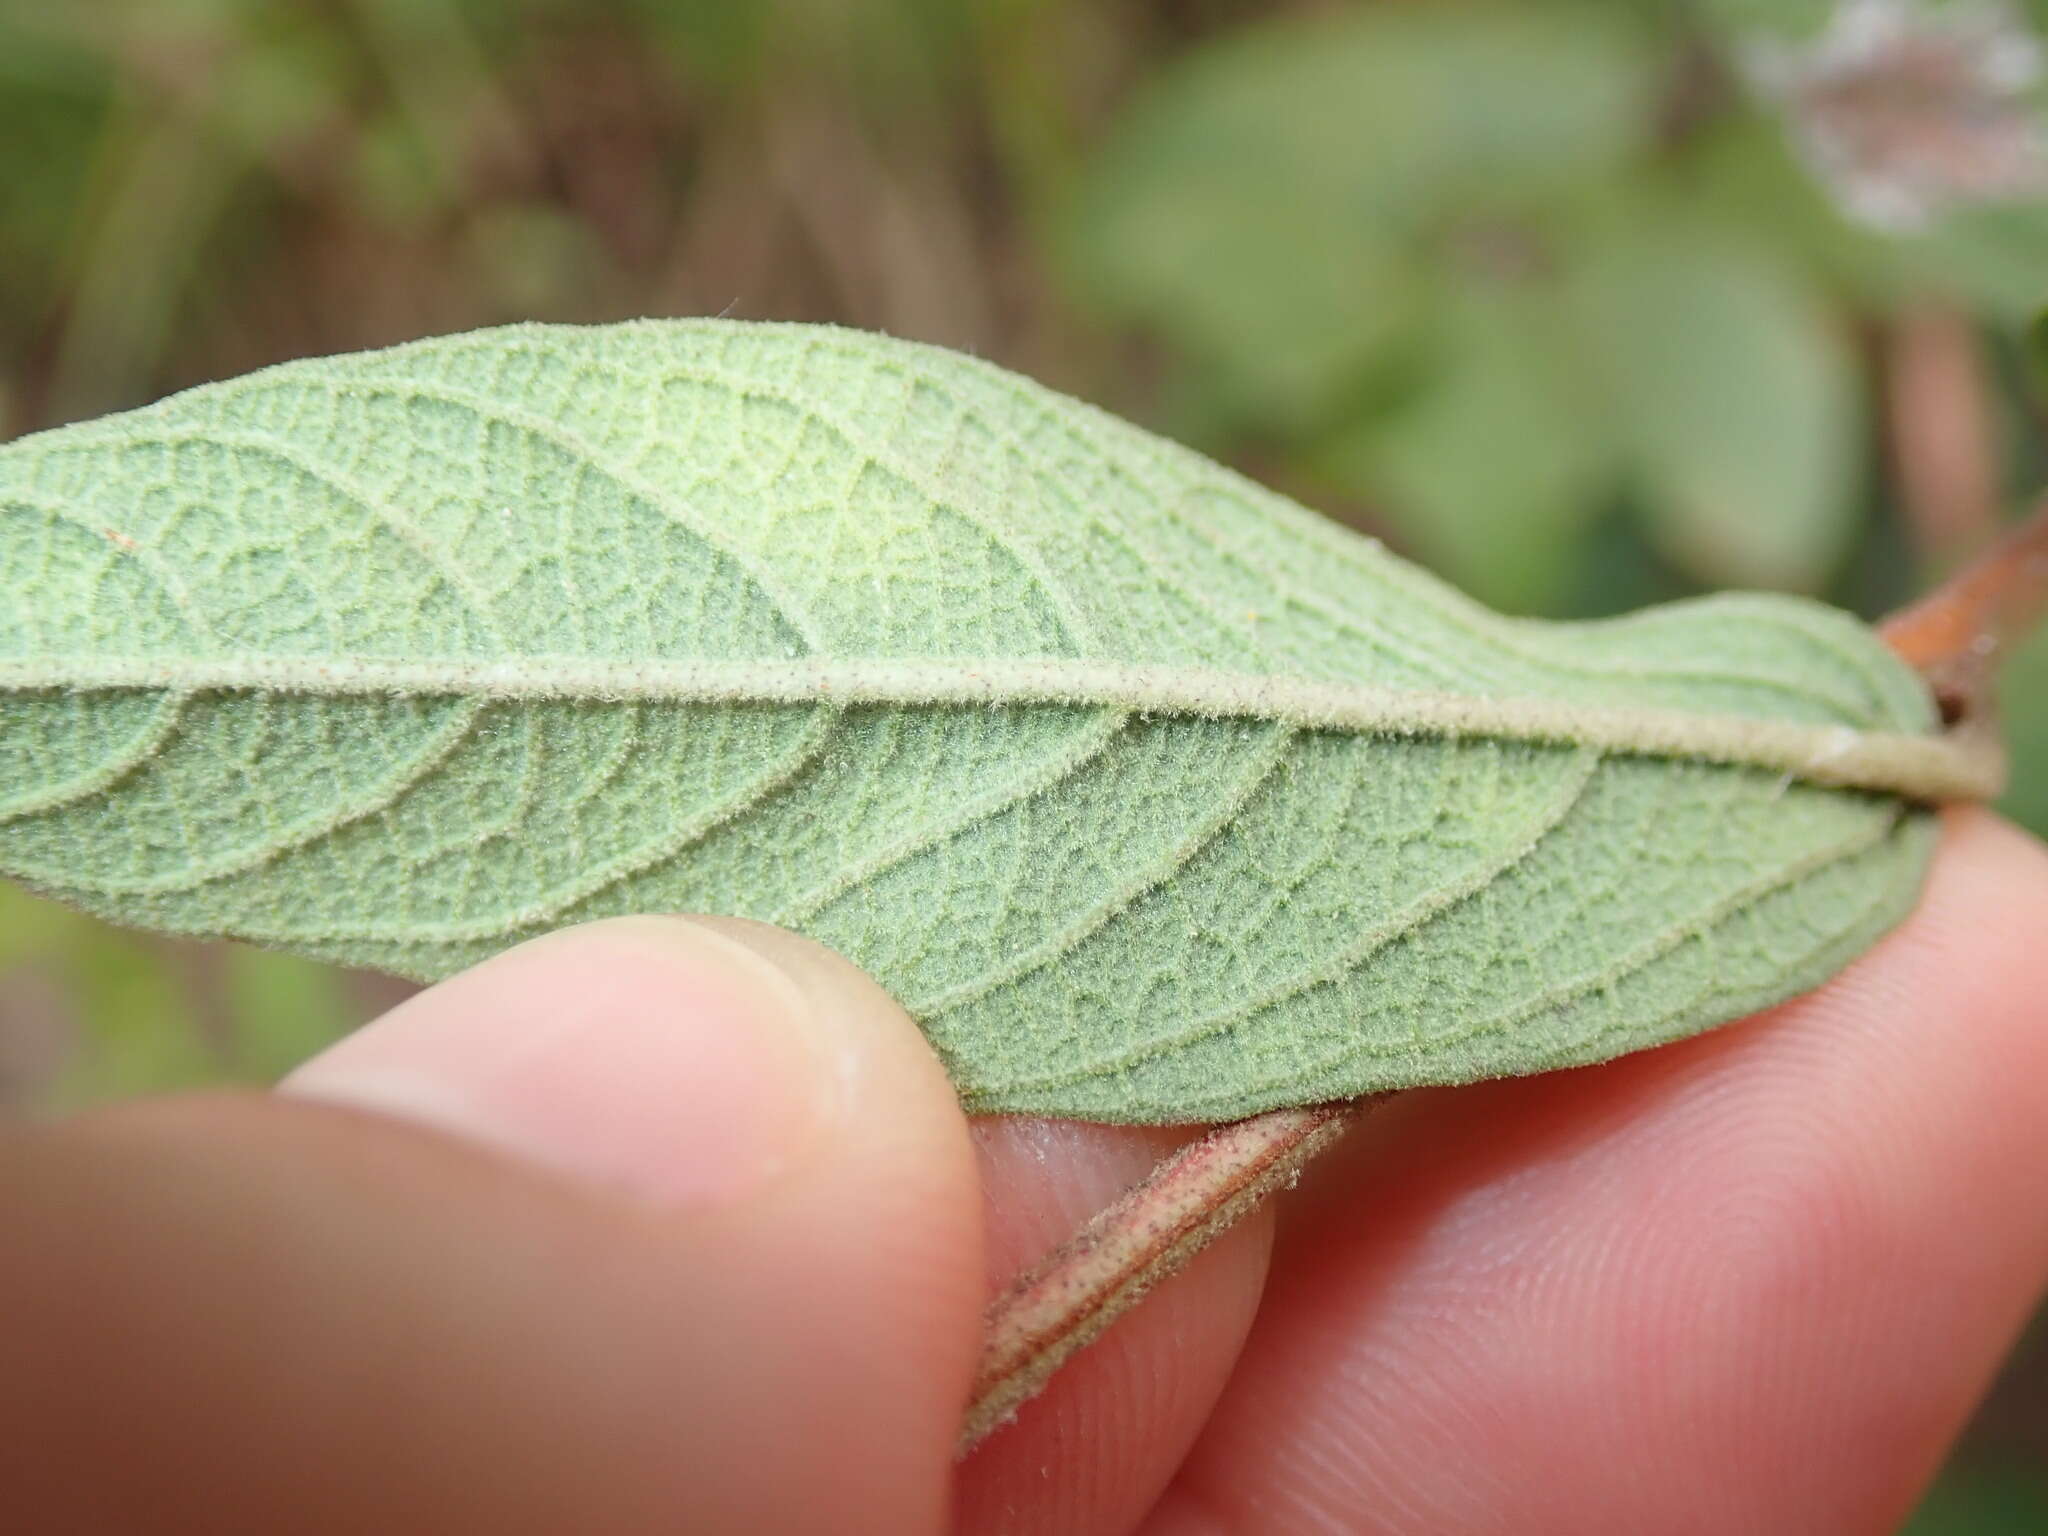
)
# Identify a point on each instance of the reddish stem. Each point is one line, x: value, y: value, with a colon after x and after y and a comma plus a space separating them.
x: 1064, y: 1303
x: 1956, y: 636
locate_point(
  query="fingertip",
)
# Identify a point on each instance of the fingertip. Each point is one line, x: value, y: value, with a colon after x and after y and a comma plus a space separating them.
x: 692, y: 1062
x: 668, y: 1216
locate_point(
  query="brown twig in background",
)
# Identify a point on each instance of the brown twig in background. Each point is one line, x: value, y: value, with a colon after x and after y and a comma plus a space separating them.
x: 1954, y: 637
x: 1942, y: 424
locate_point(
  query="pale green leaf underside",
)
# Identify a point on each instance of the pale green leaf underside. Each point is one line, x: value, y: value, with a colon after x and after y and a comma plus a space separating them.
x: 1151, y: 795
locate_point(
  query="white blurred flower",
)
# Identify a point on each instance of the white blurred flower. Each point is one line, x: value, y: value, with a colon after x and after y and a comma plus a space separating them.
x: 1905, y: 110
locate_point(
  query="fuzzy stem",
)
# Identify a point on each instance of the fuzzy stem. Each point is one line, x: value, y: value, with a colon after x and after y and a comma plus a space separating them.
x: 1064, y: 1302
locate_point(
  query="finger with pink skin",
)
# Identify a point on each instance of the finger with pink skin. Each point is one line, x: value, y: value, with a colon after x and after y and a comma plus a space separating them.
x: 1751, y: 1282
x: 652, y: 1225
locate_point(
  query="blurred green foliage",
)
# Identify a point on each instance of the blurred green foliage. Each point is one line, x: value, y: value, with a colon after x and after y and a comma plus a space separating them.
x: 1995, y: 1502
x: 1491, y: 271
x: 90, y: 1013
x: 1552, y: 300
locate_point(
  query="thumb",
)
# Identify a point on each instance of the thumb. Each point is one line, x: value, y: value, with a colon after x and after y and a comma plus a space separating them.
x: 702, y: 1251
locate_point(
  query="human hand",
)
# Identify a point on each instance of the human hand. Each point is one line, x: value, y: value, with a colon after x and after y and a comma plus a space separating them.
x: 662, y: 1225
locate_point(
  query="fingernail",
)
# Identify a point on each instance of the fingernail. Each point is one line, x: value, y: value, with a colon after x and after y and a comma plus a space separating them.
x: 654, y: 1056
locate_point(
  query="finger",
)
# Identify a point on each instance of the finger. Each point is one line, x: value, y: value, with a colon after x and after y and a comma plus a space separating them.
x: 1749, y: 1282
x: 701, y: 1253
x: 1094, y: 1451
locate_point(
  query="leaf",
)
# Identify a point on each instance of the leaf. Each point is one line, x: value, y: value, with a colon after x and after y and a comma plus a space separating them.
x: 1151, y: 795
x: 1741, y: 405
x: 2023, y: 710
x: 1991, y: 256
x: 1495, y: 472
x: 2034, y: 355
x: 1279, y: 205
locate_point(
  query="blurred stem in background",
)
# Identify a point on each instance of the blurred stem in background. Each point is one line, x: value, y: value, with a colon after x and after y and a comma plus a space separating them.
x: 1943, y: 429
x: 1585, y: 307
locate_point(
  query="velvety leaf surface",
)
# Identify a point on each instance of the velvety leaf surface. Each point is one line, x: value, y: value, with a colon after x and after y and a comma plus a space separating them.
x: 1152, y: 795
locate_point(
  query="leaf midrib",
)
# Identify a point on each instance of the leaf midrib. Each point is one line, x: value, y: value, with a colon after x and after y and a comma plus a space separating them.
x: 1930, y: 768
x: 1105, y: 433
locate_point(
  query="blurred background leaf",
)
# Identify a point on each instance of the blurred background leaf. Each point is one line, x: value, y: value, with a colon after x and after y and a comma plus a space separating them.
x: 1584, y: 306
x: 1740, y: 408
